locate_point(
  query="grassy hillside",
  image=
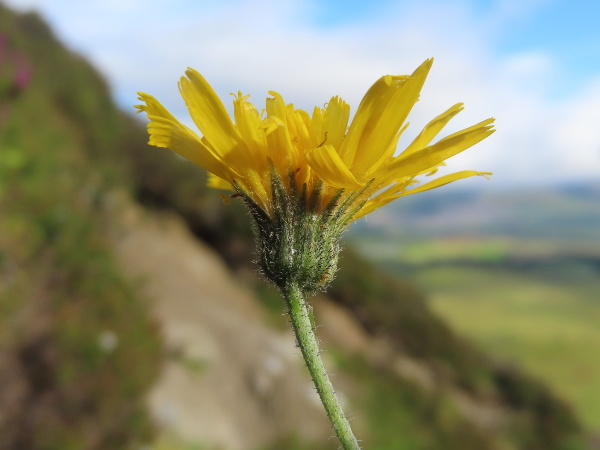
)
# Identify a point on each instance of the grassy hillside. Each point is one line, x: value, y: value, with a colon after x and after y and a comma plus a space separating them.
x: 516, y: 272
x: 549, y: 325
x: 77, y: 347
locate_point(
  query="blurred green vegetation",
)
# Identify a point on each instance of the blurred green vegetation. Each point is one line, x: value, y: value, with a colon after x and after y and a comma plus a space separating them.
x: 549, y: 325
x: 77, y: 346
x: 526, y: 293
x: 78, y: 351
x: 392, y: 307
x: 403, y: 416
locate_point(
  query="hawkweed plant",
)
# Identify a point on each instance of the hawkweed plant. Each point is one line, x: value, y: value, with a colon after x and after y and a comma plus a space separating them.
x: 304, y: 178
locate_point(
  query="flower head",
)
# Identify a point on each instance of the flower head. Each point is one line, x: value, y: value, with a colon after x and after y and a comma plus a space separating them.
x: 294, y: 168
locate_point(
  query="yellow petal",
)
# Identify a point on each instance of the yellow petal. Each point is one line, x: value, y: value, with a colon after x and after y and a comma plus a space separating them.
x: 218, y: 183
x: 248, y: 120
x: 441, y: 181
x: 300, y: 129
x: 271, y: 123
x: 210, y: 116
x: 281, y: 151
x: 433, y: 155
x: 330, y: 168
x: 250, y: 126
x: 167, y: 132
x: 387, y: 119
x: 387, y: 197
x: 372, y: 205
x: 383, y: 197
x: 303, y: 139
x: 317, y: 124
x: 276, y: 106
x: 335, y: 122
x: 387, y: 156
x: 432, y: 129
x: 370, y: 109
x: 257, y: 186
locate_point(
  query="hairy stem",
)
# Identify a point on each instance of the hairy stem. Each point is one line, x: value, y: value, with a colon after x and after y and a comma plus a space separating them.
x: 307, y: 341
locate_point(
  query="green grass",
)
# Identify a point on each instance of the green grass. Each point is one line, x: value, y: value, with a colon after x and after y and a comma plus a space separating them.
x: 402, y: 416
x: 547, y: 324
x: 61, y: 290
x: 529, y: 301
x: 394, y: 250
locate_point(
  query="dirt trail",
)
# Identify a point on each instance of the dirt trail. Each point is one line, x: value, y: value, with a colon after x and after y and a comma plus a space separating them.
x: 232, y: 382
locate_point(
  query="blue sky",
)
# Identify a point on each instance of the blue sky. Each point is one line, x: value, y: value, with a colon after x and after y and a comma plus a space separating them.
x: 532, y: 64
x: 569, y: 31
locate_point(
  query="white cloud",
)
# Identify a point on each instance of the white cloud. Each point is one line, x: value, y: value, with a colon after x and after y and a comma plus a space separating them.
x: 262, y: 45
x: 576, y: 132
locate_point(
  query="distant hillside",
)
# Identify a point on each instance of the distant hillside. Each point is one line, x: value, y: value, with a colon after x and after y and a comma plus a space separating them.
x: 80, y: 349
x: 516, y: 271
x: 567, y: 211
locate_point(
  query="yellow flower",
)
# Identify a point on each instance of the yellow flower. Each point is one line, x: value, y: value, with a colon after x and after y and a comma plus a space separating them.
x: 305, y: 177
x: 319, y: 155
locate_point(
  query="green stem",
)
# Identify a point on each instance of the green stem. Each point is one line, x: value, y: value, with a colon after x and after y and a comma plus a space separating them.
x: 307, y: 341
